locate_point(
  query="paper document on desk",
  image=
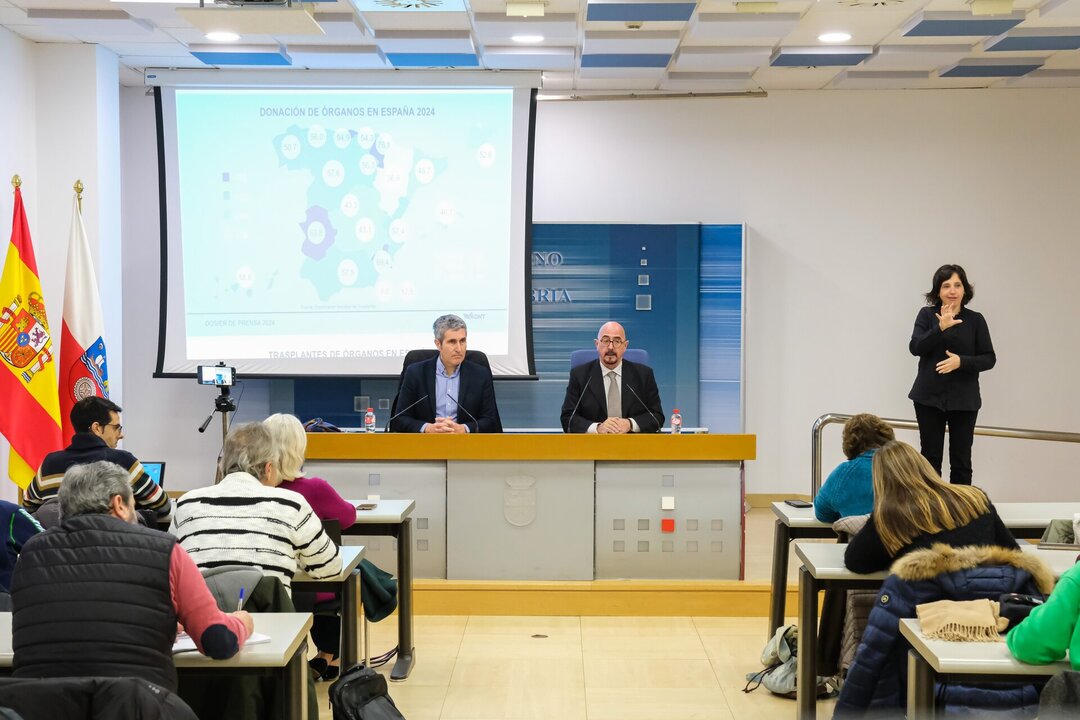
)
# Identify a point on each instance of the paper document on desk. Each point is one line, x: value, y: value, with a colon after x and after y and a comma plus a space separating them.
x: 184, y: 642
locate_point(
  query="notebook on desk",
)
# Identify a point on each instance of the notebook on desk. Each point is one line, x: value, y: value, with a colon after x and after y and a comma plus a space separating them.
x: 184, y: 643
x: 156, y: 471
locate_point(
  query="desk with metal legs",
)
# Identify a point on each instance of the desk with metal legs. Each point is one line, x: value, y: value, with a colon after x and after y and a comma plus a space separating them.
x: 392, y: 518
x: 973, y: 662
x: 1024, y: 520
x: 284, y: 655
x: 347, y: 582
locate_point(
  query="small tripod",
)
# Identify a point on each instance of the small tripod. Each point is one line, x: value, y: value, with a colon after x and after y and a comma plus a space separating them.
x: 223, y: 404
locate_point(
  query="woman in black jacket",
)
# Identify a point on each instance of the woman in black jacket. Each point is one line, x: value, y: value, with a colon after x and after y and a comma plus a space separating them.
x: 914, y: 508
x: 953, y: 345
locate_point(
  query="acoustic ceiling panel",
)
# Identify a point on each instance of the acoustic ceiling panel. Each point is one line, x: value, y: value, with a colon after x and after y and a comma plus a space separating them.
x: 433, y: 60
x: 330, y: 57
x: 711, y: 59
x: 915, y: 57
x: 993, y: 67
x: 257, y: 55
x: 731, y: 26
x: 630, y: 41
x: 278, y: 20
x: 960, y: 24
x: 836, y: 56
x: 529, y: 58
x: 626, y: 60
x: 116, y: 23
x: 639, y: 11
x: 1036, y: 40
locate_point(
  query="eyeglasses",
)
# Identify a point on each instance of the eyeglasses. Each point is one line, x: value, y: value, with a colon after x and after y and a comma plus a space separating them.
x: 118, y: 426
x: 613, y: 342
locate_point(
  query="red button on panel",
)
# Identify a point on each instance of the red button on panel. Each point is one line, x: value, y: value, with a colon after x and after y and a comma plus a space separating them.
x: 667, y: 525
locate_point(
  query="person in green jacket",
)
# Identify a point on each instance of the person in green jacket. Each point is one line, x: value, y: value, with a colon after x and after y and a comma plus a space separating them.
x: 1052, y: 628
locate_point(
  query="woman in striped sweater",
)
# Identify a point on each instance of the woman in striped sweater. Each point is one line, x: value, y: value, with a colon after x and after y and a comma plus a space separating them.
x: 246, y: 519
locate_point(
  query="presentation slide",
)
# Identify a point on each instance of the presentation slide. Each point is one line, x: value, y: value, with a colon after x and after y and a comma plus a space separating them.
x: 322, y: 231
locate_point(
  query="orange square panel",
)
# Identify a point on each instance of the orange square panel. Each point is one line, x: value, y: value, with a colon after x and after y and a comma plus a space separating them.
x: 667, y: 525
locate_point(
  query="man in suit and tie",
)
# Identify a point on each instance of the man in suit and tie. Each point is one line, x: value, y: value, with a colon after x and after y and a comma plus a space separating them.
x: 609, y: 394
x: 447, y: 394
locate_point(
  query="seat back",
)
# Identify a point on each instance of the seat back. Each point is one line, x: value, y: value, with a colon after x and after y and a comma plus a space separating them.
x: 634, y: 355
x: 415, y: 356
x: 226, y: 582
x: 75, y: 698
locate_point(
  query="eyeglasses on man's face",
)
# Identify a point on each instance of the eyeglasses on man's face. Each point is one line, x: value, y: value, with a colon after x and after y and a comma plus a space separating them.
x: 613, y: 342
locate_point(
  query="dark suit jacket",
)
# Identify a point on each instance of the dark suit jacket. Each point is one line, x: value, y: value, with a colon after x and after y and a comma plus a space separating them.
x: 587, y: 392
x: 476, y: 398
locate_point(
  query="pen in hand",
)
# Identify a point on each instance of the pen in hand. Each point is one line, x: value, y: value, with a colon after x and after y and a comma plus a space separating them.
x: 240, y: 602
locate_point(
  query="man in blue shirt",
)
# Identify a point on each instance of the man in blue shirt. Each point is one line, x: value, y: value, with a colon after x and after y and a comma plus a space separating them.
x: 18, y: 526
x: 448, y: 393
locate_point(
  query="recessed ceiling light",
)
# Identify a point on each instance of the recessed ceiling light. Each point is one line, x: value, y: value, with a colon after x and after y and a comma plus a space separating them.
x: 222, y: 36
x: 834, y: 37
x: 527, y: 39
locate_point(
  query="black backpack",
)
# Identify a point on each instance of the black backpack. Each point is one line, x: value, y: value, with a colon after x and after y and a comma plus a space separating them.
x: 360, y: 694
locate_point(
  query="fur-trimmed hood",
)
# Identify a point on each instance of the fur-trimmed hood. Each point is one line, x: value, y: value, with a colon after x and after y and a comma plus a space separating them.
x: 939, y: 559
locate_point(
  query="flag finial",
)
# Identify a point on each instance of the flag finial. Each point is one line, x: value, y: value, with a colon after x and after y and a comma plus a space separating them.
x: 78, y: 187
x: 16, y: 182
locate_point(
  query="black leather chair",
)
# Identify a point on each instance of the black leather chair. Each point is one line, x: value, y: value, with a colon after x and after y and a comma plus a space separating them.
x: 415, y: 356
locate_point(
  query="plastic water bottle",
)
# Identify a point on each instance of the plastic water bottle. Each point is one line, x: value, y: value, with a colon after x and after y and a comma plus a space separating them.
x: 369, y: 421
x: 676, y: 422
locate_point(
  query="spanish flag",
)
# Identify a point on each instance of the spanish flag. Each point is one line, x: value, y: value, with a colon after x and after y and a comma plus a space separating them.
x: 30, y: 412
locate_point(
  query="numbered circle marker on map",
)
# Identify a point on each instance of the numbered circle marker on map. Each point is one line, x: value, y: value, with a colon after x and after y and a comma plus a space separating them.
x: 342, y: 138
x: 333, y: 173
x: 290, y: 147
x: 316, y: 232
x: 382, y: 261
x: 425, y: 171
x: 384, y: 292
x: 245, y: 277
x: 384, y: 143
x: 316, y: 136
x: 485, y: 155
x: 368, y: 164
x: 446, y: 212
x: 365, y: 230
x: 399, y: 230
x: 365, y: 138
x: 350, y: 205
x: 347, y: 272
x: 407, y: 291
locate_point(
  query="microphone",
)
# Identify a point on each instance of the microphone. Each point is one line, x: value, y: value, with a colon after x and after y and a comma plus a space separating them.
x: 631, y: 388
x: 460, y: 407
x: 580, y: 398
x: 399, y: 413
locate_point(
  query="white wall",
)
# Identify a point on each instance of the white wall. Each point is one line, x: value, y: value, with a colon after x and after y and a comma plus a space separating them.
x: 851, y: 200
x: 60, y: 124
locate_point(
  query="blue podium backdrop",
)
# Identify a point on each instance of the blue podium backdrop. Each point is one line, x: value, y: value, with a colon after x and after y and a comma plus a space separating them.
x: 677, y: 290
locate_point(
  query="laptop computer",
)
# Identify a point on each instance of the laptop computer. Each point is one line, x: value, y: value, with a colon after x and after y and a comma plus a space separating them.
x: 156, y: 471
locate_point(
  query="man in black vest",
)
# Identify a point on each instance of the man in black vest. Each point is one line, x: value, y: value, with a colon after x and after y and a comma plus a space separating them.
x: 610, y: 395
x: 101, y: 595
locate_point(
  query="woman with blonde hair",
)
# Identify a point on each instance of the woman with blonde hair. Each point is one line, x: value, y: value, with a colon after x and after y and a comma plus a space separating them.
x: 290, y: 441
x: 914, y: 508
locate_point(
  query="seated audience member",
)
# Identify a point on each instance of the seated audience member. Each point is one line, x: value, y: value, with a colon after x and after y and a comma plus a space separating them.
x: 448, y: 393
x: 97, y: 431
x: 610, y: 395
x: 914, y: 508
x: 19, y: 526
x: 291, y: 442
x: 1052, y: 628
x: 849, y: 489
x: 246, y: 519
x: 101, y: 596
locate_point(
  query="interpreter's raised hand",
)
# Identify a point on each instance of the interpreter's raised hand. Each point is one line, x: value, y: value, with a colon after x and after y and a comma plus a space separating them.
x: 950, y: 363
x: 245, y: 617
x: 947, y: 317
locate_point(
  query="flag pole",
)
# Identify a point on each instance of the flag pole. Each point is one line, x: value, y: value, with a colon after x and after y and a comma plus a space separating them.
x: 78, y: 192
x: 16, y: 182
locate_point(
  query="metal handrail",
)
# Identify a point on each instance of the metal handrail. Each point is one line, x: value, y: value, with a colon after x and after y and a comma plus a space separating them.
x: 832, y: 418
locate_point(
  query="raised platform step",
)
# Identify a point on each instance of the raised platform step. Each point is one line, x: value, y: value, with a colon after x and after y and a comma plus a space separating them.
x: 675, y: 598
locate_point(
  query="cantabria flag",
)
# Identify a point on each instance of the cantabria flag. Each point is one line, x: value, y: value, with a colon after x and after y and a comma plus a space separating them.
x: 83, y: 368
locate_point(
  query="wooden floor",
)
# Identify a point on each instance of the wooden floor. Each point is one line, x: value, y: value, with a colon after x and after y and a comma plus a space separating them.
x: 594, y: 668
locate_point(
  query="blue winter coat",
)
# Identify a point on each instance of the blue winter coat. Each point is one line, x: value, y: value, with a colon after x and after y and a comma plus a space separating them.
x: 876, y: 683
